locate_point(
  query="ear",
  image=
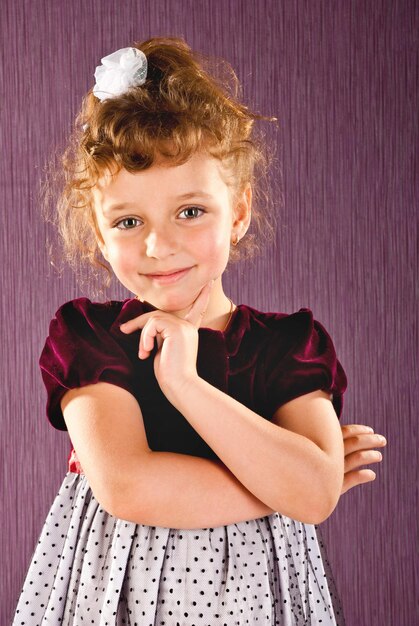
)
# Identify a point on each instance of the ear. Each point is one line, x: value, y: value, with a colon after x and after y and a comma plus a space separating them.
x: 242, y: 211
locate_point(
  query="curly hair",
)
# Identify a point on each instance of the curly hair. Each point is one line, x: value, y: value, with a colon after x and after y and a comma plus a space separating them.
x: 188, y: 102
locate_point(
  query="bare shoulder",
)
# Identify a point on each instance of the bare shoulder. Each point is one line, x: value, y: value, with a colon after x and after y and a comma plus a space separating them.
x: 106, y: 427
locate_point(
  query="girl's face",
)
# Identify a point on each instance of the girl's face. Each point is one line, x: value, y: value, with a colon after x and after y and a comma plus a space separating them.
x: 166, y: 230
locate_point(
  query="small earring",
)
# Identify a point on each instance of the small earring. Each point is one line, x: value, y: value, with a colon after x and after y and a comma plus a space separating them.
x: 235, y: 240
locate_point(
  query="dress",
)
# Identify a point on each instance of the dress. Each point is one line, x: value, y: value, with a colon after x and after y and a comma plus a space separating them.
x: 90, y: 567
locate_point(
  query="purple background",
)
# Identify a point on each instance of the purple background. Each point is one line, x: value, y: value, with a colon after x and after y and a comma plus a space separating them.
x: 342, y: 79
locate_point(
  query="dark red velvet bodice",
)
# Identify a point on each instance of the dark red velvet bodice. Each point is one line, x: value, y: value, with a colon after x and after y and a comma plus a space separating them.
x: 262, y: 360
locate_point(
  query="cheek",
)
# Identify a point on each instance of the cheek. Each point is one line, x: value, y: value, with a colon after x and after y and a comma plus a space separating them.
x: 121, y: 257
x: 214, y: 250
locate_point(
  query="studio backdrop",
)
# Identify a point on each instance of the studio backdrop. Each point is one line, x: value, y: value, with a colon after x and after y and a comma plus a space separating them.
x: 341, y: 77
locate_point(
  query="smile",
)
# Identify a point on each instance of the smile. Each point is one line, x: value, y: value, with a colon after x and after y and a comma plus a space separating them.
x: 164, y: 279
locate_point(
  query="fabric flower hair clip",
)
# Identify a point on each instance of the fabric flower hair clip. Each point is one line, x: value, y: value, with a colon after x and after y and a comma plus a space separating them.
x: 119, y: 71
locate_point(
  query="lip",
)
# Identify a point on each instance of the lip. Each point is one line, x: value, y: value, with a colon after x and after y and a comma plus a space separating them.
x: 169, y: 272
x: 168, y: 277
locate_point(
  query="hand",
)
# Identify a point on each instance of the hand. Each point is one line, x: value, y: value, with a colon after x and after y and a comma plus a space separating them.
x: 177, y: 341
x: 359, y: 444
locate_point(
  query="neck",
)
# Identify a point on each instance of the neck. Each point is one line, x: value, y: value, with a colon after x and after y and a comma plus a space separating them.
x: 220, y: 321
x: 217, y: 314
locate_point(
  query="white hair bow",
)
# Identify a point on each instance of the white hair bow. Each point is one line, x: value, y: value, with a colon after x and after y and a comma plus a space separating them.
x: 119, y: 71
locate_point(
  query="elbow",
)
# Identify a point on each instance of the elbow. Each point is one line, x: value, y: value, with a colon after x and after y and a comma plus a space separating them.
x: 329, y: 493
x: 126, y: 494
x: 320, y: 514
x: 318, y: 511
x: 314, y: 508
x: 115, y: 501
x: 322, y: 496
x: 107, y: 491
x: 106, y: 498
x: 111, y: 503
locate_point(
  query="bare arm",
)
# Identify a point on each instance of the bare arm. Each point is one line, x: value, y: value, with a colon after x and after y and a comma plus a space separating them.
x: 132, y: 482
x: 295, y: 464
x: 182, y: 491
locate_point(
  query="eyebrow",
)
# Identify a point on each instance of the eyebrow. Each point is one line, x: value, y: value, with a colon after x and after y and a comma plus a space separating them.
x: 123, y: 206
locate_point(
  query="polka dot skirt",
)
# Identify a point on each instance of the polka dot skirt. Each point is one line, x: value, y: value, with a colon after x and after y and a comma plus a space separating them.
x: 92, y: 568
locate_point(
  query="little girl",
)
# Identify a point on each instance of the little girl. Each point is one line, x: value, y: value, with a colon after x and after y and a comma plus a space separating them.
x: 207, y: 444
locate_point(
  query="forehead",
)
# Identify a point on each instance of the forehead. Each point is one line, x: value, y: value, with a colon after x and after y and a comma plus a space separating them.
x: 162, y: 180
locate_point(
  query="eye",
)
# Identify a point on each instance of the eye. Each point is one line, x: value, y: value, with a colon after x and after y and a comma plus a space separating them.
x: 192, y: 210
x: 128, y: 223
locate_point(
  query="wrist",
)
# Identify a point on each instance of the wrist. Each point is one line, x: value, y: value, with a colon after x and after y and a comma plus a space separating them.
x: 177, y: 392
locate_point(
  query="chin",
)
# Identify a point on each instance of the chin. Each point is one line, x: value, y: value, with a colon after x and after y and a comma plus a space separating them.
x: 174, y: 302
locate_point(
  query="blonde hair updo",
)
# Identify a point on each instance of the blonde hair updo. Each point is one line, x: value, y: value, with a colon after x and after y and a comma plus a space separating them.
x: 187, y: 103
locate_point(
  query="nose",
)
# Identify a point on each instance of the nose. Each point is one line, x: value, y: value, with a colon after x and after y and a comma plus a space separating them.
x: 160, y: 243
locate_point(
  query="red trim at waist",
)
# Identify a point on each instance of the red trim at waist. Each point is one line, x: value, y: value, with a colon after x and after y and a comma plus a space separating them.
x: 74, y: 464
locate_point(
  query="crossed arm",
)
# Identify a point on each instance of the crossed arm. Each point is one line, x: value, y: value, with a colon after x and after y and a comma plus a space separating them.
x: 157, y: 488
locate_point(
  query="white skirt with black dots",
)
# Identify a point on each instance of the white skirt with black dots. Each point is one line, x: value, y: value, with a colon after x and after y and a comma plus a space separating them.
x: 92, y: 568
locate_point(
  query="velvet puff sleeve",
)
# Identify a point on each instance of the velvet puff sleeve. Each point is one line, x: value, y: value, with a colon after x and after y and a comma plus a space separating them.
x: 299, y: 359
x: 81, y: 350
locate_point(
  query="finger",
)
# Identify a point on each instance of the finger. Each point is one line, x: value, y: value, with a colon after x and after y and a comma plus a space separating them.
x: 198, y: 309
x: 362, y: 457
x: 354, y: 429
x: 359, y: 477
x: 148, y: 336
x: 363, y: 442
x: 136, y: 322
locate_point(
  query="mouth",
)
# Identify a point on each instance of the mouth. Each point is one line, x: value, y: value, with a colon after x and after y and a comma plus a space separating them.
x: 168, y: 272
x: 168, y: 277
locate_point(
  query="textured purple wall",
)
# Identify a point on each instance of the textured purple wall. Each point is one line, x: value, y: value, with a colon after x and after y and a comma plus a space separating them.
x: 342, y: 79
